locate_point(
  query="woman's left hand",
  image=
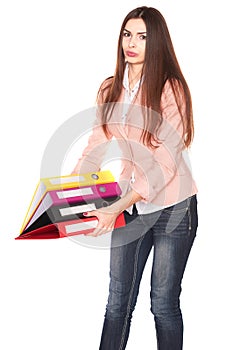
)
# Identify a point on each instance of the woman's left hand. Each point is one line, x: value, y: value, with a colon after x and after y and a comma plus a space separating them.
x: 106, y: 220
x: 108, y: 215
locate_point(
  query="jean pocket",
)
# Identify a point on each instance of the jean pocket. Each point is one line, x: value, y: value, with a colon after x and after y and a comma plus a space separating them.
x: 177, y: 220
x: 180, y: 207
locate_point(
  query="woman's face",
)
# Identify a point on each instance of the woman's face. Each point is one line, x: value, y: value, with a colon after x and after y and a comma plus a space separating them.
x: 134, y: 40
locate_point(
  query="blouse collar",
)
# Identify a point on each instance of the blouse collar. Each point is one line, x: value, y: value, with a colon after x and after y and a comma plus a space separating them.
x: 126, y: 82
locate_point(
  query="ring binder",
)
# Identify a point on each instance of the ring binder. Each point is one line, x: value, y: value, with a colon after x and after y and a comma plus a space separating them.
x: 58, y: 204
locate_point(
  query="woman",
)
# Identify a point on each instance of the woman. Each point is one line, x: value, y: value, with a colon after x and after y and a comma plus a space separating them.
x: 146, y: 106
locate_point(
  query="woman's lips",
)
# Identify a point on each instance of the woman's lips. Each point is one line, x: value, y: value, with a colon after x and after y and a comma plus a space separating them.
x: 131, y: 54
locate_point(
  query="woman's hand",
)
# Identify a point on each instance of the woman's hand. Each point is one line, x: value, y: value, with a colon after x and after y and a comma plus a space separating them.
x: 108, y: 215
x: 106, y: 220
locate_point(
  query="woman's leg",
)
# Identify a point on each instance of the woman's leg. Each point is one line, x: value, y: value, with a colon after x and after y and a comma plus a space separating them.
x: 173, y: 237
x: 126, y: 267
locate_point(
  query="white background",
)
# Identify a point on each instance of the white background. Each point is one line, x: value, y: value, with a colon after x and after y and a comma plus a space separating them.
x: 54, y: 55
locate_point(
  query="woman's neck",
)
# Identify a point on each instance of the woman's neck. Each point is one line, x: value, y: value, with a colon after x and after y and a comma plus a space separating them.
x: 134, y: 74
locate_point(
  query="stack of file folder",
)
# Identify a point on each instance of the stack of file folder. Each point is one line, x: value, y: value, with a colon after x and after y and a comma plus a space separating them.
x: 58, y: 204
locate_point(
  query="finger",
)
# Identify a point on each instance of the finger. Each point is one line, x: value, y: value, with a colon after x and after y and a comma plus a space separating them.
x: 97, y: 232
x: 100, y: 231
x: 89, y: 213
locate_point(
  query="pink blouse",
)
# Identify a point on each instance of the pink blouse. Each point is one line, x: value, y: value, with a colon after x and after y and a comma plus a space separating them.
x: 161, y: 175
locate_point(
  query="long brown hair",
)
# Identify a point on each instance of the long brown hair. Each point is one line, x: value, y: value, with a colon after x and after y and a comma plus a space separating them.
x: 160, y: 65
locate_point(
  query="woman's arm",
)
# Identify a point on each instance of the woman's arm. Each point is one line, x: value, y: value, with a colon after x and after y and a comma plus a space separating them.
x: 108, y: 215
x: 158, y: 170
x: 94, y: 152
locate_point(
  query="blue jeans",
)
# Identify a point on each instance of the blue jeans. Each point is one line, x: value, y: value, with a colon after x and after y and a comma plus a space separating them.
x: 171, y: 233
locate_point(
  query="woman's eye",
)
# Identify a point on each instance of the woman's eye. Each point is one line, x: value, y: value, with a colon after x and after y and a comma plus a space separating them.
x: 139, y: 37
x: 126, y: 35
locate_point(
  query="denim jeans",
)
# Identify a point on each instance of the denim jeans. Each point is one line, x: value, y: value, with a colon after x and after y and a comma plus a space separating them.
x: 170, y: 232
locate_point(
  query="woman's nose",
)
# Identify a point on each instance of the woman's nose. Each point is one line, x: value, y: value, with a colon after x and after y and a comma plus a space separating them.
x: 131, y: 43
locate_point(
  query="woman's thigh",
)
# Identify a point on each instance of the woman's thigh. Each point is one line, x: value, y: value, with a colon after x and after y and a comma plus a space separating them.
x: 173, y: 237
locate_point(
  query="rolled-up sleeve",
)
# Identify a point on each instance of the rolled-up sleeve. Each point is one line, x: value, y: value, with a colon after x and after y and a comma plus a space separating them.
x: 94, y: 152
